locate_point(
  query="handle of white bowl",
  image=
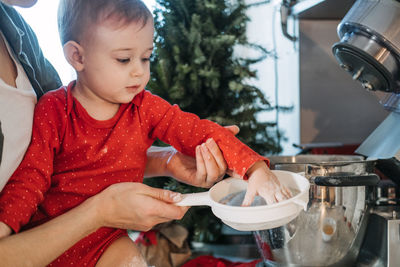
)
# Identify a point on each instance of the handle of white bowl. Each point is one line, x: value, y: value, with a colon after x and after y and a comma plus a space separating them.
x: 301, y: 203
x: 195, y: 199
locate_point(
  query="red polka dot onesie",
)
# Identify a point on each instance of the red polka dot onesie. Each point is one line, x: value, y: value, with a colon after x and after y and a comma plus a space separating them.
x: 73, y: 157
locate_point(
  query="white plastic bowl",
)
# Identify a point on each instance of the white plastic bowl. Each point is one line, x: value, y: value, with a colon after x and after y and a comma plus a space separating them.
x: 256, y: 217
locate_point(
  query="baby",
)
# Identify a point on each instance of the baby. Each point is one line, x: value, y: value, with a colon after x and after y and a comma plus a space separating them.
x: 95, y: 132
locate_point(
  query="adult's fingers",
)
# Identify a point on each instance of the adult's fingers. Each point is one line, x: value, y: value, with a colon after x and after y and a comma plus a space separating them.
x: 167, y: 212
x: 233, y: 129
x: 136, y: 206
x: 153, y: 214
x: 161, y: 204
x: 162, y: 194
x: 201, y: 172
x: 218, y: 157
x: 212, y: 169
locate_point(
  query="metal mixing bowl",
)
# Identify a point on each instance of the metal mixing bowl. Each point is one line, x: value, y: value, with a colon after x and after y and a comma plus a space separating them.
x: 302, y: 242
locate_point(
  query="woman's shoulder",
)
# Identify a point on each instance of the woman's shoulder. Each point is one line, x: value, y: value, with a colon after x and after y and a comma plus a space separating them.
x: 25, y: 45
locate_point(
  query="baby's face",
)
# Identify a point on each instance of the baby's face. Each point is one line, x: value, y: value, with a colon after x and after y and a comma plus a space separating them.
x: 117, y: 60
x: 21, y: 3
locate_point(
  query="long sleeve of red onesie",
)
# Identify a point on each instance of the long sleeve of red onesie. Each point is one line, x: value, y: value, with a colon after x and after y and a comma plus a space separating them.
x: 185, y: 131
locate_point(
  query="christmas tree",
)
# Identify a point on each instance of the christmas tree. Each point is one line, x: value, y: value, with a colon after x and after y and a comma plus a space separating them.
x: 195, y: 66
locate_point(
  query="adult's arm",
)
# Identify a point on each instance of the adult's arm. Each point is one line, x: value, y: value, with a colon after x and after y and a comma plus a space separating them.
x: 207, y: 168
x: 123, y: 205
x: 40, y: 245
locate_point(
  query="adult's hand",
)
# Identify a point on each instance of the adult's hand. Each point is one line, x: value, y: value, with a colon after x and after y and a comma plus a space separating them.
x: 137, y: 206
x: 206, y: 169
x: 126, y: 205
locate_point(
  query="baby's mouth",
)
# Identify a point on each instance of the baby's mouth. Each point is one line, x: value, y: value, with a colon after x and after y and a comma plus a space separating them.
x: 133, y: 87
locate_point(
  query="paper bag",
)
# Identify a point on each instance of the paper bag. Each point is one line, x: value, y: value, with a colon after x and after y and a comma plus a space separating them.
x: 165, y: 245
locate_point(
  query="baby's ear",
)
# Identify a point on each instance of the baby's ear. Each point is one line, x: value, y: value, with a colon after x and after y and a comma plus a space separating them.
x: 73, y: 53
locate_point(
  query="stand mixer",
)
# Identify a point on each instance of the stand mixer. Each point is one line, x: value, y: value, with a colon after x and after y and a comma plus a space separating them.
x: 369, y: 50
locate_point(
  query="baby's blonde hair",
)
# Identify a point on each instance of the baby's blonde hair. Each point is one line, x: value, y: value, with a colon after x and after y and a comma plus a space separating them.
x: 76, y: 16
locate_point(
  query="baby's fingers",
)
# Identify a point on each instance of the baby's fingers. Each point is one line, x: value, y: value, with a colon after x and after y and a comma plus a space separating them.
x: 286, y: 192
x: 269, y: 196
x: 279, y: 196
x: 282, y: 193
x: 249, y: 196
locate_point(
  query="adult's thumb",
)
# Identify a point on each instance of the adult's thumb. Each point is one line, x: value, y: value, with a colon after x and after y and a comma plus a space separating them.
x: 165, y: 195
x: 233, y: 129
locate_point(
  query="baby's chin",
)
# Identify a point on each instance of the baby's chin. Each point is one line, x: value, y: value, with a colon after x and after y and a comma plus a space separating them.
x: 127, y: 100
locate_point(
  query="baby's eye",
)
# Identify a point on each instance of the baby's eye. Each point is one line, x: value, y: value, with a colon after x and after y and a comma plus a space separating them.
x: 123, y: 60
x: 145, y: 59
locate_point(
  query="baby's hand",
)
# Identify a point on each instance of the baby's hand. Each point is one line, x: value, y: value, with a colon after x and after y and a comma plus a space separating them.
x: 264, y: 183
